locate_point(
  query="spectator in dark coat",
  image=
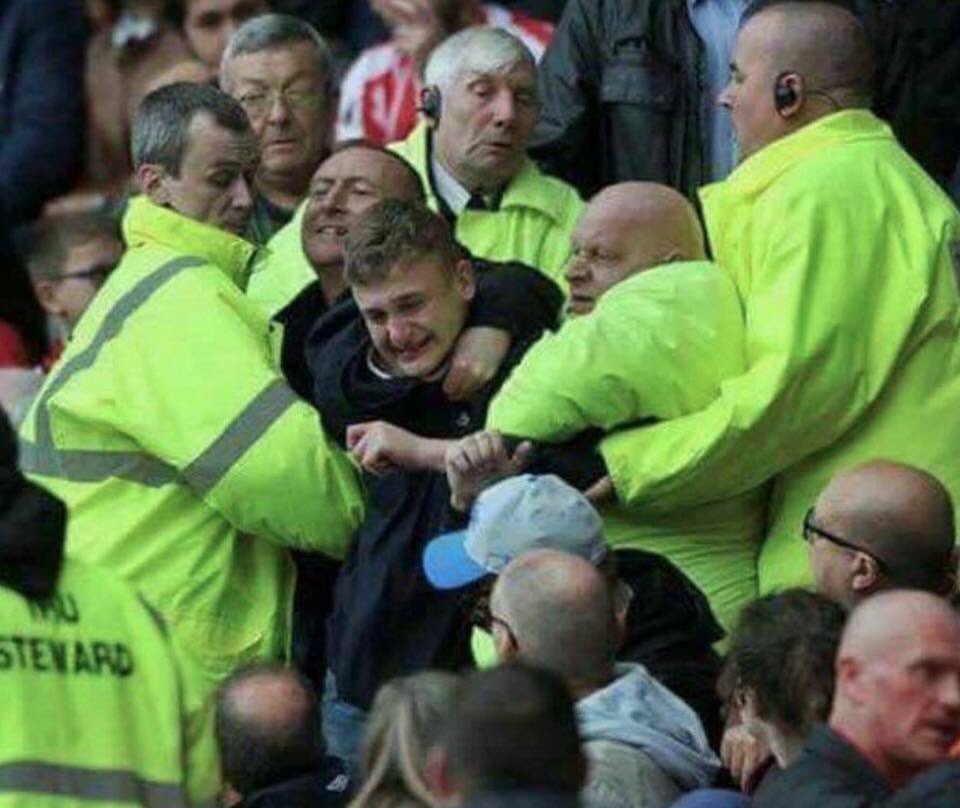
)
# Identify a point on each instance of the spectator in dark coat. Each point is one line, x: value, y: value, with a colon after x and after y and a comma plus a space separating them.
x: 41, y: 102
x: 896, y: 711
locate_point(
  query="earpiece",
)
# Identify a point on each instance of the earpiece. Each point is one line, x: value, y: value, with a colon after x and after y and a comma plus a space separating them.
x: 430, y: 102
x: 784, y: 95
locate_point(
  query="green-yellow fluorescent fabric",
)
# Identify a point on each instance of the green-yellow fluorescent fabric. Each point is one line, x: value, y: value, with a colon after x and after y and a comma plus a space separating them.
x: 843, y: 251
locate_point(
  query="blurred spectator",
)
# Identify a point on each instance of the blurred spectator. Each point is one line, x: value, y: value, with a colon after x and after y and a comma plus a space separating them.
x: 381, y: 365
x: 271, y: 750
x: 663, y: 621
x: 209, y: 24
x: 41, y: 103
x: 278, y: 68
x: 405, y: 721
x: 167, y: 409
x: 664, y: 330
x: 896, y: 711
x: 480, y: 102
x: 381, y: 91
x: 511, y: 741
x: 124, y: 57
x: 644, y: 745
x: 69, y: 258
x: 98, y: 702
x: 629, y: 92
x: 882, y: 525
x: 778, y: 675
x: 822, y: 389
x: 302, y: 276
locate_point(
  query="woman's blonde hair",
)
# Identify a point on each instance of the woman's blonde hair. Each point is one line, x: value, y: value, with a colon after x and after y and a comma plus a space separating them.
x: 404, y: 720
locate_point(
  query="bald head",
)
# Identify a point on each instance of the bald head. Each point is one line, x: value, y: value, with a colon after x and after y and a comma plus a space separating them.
x: 898, y: 682
x: 793, y: 63
x: 626, y: 228
x: 822, y: 42
x: 266, y: 727
x: 900, y: 514
x: 560, y: 611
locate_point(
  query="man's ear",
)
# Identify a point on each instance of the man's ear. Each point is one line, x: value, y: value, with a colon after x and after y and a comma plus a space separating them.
x: 849, y: 680
x: 46, y: 293
x: 465, y: 279
x: 865, y: 576
x: 150, y: 180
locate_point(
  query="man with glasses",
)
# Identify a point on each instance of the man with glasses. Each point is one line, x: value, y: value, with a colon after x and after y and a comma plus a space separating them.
x: 69, y: 257
x: 881, y: 525
x: 278, y: 68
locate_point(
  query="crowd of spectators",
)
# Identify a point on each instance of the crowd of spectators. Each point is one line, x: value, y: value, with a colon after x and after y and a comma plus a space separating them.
x: 434, y: 403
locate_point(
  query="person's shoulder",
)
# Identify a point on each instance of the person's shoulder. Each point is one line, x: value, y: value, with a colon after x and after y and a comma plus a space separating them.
x: 623, y: 775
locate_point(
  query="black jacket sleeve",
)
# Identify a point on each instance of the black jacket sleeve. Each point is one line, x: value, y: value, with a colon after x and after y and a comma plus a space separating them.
x: 515, y: 298
x: 42, y: 46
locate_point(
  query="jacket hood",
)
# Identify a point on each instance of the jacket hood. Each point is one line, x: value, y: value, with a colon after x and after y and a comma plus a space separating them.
x: 636, y: 710
x: 32, y: 527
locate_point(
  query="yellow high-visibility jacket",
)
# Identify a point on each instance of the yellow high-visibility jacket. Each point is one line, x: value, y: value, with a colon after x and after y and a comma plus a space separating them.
x: 99, y: 707
x: 657, y: 346
x: 283, y: 271
x: 534, y: 221
x: 844, y: 253
x: 186, y: 462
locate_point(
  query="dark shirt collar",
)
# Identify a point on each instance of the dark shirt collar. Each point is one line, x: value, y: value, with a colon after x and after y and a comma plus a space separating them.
x: 835, y: 750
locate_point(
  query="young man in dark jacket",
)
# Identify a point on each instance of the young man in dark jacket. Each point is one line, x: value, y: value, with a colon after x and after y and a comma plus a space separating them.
x: 379, y: 386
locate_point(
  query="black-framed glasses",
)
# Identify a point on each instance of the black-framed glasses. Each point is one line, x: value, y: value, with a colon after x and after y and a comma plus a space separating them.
x: 97, y: 274
x: 810, y: 529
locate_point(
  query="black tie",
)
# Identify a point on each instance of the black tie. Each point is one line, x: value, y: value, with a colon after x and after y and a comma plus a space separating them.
x: 477, y: 202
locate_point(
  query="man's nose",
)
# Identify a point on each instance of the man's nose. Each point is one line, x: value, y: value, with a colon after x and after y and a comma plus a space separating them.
x: 725, y: 98
x: 505, y: 106
x: 278, y: 112
x: 241, y: 194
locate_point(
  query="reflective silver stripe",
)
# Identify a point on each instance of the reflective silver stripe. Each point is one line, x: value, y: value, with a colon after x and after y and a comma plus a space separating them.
x: 87, y: 466
x: 43, y: 457
x: 115, y: 785
x: 245, y: 430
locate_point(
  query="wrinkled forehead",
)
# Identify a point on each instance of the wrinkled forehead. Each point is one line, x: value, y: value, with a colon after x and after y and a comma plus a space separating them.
x: 362, y: 164
x: 517, y: 74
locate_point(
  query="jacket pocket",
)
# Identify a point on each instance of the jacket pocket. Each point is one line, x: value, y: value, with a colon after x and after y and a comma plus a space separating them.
x: 631, y: 81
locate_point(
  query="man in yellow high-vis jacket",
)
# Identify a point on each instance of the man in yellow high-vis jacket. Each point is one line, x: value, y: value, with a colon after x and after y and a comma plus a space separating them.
x: 187, y: 464
x: 844, y: 254
x: 99, y: 707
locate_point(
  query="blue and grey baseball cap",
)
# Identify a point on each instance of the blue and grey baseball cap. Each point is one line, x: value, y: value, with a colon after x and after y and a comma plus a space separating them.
x: 519, y: 514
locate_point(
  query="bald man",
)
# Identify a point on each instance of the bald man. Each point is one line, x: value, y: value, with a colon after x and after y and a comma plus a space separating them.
x: 896, y: 708
x: 840, y: 247
x: 882, y: 525
x: 625, y: 229
x: 658, y: 330
x: 553, y: 610
x: 269, y: 741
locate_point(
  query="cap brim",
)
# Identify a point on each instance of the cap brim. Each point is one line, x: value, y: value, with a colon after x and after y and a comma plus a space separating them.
x: 446, y: 563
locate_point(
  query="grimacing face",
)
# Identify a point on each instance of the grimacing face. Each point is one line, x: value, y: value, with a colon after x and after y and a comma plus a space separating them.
x: 485, y: 123
x: 416, y: 314
x: 605, y: 250
x: 914, y: 694
x: 215, y: 180
x: 347, y: 184
x: 284, y: 94
x: 209, y: 24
